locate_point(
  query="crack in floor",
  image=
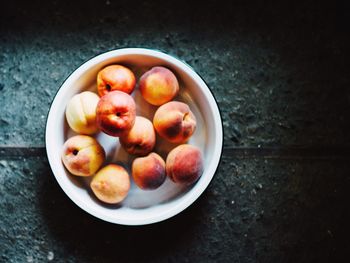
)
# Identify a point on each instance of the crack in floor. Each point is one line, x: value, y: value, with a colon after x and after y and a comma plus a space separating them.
x: 314, y: 152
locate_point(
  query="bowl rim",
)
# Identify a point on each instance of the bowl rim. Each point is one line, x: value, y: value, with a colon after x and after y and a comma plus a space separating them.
x: 216, y: 111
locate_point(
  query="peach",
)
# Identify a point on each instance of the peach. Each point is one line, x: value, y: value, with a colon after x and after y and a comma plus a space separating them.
x: 184, y: 164
x: 158, y: 85
x: 81, y: 112
x: 174, y: 121
x: 115, y: 113
x: 111, y: 184
x: 82, y: 155
x: 115, y: 77
x: 149, y: 172
x: 140, y: 140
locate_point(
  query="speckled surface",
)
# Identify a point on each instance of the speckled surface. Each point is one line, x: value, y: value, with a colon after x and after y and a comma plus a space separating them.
x: 256, y: 210
x: 280, y: 74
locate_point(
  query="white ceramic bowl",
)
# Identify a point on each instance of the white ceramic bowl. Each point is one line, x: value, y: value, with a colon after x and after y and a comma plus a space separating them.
x: 140, y: 207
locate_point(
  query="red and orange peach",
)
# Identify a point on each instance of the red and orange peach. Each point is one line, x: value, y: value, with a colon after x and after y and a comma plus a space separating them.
x: 184, y: 164
x: 115, y: 113
x: 149, y: 172
x: 174, y: 121
x: 140, y: 140
x: 115, y: 77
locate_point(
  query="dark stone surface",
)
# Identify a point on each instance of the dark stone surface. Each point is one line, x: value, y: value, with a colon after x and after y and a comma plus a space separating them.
x: 280, y: 73
x: 255, y: 210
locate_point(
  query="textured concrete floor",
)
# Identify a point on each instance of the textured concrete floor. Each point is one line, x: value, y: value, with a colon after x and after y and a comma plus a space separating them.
x: 280, y: 73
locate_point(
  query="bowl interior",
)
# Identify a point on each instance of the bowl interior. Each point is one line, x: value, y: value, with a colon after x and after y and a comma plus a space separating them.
x: 139, y: 207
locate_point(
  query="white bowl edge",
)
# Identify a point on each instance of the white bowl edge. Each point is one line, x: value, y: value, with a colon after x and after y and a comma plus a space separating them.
x: 182, y: 203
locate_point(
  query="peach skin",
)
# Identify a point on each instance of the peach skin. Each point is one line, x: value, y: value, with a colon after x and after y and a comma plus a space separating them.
x: 158, y: 85
x: 81, y: 112
x: 149, y: 172
x: 115, y: 113
x: 111, y: 184
x: 82, y: 155
x: 184, y: 164
x: 115, y: 77
x: 175, y: 122
x: 140, y: 140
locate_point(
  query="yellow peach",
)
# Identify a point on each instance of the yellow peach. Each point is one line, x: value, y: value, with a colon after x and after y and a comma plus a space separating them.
x: 111, y: 184
x: 82, y: 155
x: 158, y: 85
x: 81, y: 112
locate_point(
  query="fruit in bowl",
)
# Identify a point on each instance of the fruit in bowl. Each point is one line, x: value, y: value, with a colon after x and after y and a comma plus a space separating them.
x: 116, y: 113
x: 111, y: 184
x: 82, y: 155
x: 140, y: 140
x: 149, y: 172
x: 139, y: 207
x: 184, y: 164
x: 158, y: 85
x: 174, y: 121
x: 81, y: 112
x: 115, y: 77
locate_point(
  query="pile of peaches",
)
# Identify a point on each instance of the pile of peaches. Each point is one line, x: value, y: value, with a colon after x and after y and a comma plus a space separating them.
x: 113, y: 111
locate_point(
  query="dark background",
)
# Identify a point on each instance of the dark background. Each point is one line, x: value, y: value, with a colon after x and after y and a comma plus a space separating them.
x: 280, y: 73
